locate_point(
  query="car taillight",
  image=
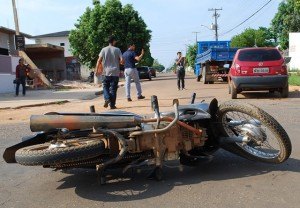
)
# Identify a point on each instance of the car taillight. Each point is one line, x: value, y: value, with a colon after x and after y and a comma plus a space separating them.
x: 237, y: 68
x: 283, y: 69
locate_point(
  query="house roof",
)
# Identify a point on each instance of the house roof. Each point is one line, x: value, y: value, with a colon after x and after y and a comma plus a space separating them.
x: 38, y: 48
x: 56, y: 34
x: 11, y: 31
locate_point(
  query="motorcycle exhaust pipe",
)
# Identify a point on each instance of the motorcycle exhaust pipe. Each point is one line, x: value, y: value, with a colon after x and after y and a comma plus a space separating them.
x: 46, y: 123
x: 236, y: 139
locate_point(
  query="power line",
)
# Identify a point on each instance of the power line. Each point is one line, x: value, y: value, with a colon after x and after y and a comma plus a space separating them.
x: 247, y: 18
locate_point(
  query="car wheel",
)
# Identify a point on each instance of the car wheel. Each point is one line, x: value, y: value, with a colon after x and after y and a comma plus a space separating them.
x: 199, y: 78
x: 233, y: 92
x: 204, y: 75
x: 284, y: 92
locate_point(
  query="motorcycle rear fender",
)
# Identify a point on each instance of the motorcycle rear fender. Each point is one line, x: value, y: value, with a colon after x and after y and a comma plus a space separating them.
x: 9, y: 153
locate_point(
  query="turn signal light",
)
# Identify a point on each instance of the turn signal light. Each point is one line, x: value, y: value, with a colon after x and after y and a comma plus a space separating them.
x: 284, y: 69
x: 237, y: 68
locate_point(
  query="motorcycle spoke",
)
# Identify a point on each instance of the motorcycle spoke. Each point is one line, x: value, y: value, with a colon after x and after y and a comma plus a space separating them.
x: 262, y: 146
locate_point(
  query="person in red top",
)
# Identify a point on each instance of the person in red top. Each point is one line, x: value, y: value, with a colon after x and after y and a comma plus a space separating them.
x: 21, y: 73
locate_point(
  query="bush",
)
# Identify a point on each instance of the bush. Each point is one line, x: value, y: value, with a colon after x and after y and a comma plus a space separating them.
x: 294, y: 79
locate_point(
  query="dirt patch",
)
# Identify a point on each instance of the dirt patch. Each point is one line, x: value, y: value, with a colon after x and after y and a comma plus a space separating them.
x: 294, y: 88
x: 67, y: 85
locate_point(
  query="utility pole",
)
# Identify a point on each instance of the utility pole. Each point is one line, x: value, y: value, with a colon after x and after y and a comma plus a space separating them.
x: 196, y: 36
x: 16, y: 17
x: 215, y: 26
x: 20, y: 40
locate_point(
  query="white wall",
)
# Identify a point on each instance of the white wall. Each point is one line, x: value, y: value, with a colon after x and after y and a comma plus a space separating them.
x: 4, y: 40
x: 6, y: 81
x: 56, y: 41
x: 294, y: 50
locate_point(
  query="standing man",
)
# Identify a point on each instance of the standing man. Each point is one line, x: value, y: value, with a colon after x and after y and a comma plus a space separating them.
x: 130, y: 58
x: 21, y: 74
x: 108, y: 65
x: 180, y: 70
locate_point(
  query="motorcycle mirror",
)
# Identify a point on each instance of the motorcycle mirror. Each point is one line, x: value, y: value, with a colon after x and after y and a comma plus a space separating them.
x: 154, y: 102
x: 176, y: 101
x: 287, y: 60
x: 193, y: 98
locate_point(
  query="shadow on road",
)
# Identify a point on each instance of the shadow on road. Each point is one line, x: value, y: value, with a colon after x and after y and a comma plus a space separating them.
x: 130, y: 187
x: 267, y: 95
x: 163, y: 78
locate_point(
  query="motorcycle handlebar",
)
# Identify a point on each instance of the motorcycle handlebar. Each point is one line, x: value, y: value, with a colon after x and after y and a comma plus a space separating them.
x: 138, y: 133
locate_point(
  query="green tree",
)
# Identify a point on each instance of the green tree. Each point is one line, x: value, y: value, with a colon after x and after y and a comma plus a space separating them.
x: 96, y: 24
x: 251, y: 37
x: 286, y: 20
x: 191, y: 55
x: 158, y: 66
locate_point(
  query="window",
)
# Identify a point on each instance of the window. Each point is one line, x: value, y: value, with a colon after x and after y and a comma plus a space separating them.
x: 259, y: 55
x: 62, y: 44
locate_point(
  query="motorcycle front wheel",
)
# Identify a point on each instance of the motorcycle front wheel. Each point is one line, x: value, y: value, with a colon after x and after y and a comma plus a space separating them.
x: 268, y: 141
x: 72, y: 150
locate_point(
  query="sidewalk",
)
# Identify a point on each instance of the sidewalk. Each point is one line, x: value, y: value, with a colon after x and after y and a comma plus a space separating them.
x: 46, y: 97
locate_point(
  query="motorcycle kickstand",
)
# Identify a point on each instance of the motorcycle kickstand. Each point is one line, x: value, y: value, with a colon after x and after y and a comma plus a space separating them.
x: 101, y: 177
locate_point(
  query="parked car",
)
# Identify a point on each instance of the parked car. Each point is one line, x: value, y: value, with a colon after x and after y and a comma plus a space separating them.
x: 144, y: 72
x: 152, y: 72
x: 256, y: 69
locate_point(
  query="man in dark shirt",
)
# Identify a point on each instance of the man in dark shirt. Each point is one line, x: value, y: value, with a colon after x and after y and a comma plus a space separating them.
x: 130, y: 58
x: 21, y: 74
x: 180, y: 71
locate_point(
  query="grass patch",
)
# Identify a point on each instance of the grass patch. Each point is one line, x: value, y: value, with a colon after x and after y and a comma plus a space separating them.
x: 294, y: 79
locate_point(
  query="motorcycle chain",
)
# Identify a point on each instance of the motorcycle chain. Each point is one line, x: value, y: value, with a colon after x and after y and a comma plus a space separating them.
x: 146, y: 155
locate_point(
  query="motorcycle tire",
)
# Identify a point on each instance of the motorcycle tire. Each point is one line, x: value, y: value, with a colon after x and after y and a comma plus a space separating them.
x: 75, y: 150
x: 267, y: 120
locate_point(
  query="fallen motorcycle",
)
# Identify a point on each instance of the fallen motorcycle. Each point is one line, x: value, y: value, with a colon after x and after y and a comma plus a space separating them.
x: 191, y: 133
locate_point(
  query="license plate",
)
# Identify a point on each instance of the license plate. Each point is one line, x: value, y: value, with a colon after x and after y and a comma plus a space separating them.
x: 260, y: 70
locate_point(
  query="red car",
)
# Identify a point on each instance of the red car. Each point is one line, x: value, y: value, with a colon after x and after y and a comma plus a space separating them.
x: 256, y: 69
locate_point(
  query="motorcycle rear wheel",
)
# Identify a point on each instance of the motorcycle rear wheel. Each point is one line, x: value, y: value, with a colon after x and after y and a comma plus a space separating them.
x: 265, y: 152
x: 73, y: 150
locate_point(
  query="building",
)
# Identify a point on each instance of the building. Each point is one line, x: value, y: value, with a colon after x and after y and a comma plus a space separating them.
x: 49, y: 58
x: 294, y: 50
x: 7, y: 41
x: 73, y: 68
x: 58, y: 39
x: 8, y: 59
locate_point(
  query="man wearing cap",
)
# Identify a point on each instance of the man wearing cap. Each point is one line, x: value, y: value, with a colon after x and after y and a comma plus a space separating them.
x: 108, y: 65
x: 21, y: 73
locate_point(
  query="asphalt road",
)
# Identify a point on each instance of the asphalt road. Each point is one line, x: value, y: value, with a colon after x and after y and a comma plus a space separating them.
x: 227, y: 181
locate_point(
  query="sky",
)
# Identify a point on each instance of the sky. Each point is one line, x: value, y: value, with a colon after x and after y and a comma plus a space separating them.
x: 172, y: 22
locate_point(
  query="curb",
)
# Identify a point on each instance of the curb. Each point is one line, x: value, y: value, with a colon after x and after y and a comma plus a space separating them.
x: 50, y: 103
x: 36, y: 105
